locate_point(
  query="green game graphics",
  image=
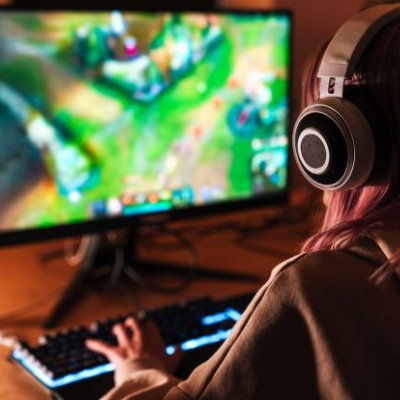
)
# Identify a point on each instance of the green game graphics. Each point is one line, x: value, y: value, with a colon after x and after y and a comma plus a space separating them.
x: 122, y: 113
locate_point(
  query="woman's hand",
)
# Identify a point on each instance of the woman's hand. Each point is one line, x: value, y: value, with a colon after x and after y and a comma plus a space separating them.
x: 135, y: 342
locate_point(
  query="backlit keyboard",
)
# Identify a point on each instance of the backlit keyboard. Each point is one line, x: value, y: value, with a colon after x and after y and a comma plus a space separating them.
x: 60, y: 359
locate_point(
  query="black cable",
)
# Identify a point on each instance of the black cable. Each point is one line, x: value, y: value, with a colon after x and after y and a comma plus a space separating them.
x: 192, y: 233
x: 136, y: 276
x: 286, y: 218
x: 243, y: 230
x: 186, y: 236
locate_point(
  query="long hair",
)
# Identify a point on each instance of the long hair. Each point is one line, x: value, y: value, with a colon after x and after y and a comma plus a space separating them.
x: 375, y: 89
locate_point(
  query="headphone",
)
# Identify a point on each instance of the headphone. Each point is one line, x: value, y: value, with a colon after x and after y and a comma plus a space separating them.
x: 333, y: 142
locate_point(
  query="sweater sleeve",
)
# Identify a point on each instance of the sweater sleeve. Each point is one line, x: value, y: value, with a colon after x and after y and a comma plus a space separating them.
x: 142, y: 379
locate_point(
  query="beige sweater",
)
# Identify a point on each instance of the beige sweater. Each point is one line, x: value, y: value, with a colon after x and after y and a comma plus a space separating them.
x: 318, y: 329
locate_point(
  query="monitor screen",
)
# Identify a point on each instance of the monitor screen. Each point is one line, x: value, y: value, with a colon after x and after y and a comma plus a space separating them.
x: 110, y: 115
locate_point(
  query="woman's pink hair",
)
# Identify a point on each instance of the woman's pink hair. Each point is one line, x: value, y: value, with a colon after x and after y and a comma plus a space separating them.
x: 375, y: 89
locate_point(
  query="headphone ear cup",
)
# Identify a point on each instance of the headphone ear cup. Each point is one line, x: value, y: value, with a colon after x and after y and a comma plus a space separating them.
x: 333, y: 144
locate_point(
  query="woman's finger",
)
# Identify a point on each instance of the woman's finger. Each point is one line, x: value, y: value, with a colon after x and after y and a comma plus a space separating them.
x: 121, y: 334
x: 105, y: 349
x: 137, y: 332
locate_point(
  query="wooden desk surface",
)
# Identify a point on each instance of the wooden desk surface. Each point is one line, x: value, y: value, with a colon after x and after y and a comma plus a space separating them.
x: 24, y: 279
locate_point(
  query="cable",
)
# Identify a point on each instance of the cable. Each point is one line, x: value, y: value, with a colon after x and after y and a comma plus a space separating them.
x: 131, y: 296
x: 285, y: 218
x: 185, y: 237
x: 242, y: 229
x: 195, y: 232
x: 133, y: 273
x: 118, y: 267
x: 75, y: 257
x: 192, y: 233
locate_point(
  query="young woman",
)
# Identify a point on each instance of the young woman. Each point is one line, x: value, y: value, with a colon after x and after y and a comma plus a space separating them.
x: 326, y: 324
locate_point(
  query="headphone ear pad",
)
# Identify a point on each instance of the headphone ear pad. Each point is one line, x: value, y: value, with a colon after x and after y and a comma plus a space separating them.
x: 333, y: 144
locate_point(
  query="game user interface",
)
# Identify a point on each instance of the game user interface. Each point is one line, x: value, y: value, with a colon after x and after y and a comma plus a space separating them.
x: 106, y: 114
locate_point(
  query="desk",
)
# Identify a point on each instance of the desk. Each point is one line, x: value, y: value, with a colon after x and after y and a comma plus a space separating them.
x: 25, y: 279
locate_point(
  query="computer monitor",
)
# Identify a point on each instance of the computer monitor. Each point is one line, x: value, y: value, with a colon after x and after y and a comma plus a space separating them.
x: 108, y: 117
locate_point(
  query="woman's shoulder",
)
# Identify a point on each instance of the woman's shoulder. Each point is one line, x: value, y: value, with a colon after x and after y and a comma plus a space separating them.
x: 326, y: 273
x: 364, y: 255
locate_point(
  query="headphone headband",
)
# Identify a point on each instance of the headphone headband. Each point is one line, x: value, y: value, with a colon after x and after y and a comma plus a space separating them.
x: 334, y: 143
x: 347, y: 46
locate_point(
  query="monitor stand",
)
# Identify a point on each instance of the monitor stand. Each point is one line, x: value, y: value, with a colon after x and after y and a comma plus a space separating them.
x: 127, y: 262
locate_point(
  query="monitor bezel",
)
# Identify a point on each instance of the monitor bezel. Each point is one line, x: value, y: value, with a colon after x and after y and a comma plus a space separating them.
x: 101, y: 225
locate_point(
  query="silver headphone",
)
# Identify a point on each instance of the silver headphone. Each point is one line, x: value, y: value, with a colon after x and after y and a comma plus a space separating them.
x: 333, y: 142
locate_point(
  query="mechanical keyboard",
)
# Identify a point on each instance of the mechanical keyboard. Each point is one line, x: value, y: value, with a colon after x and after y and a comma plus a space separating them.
x: 61, y: 362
